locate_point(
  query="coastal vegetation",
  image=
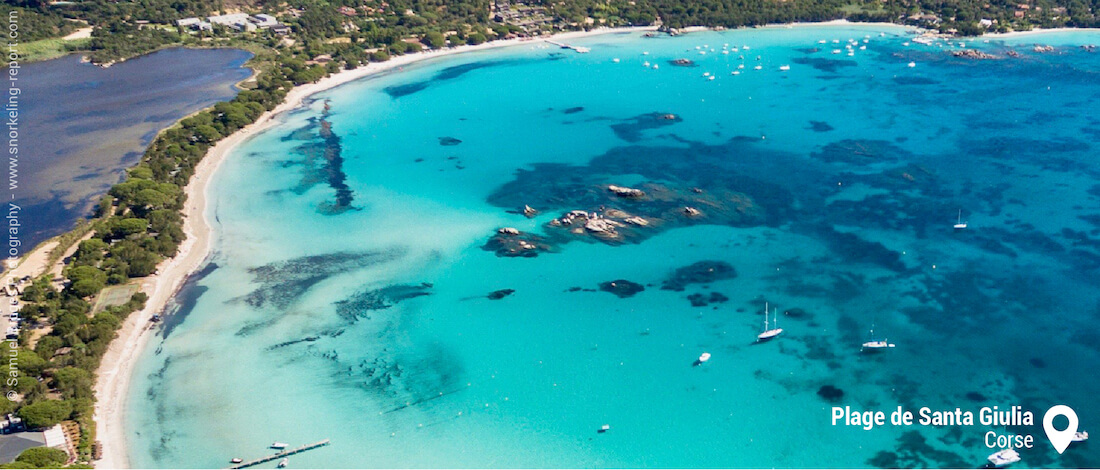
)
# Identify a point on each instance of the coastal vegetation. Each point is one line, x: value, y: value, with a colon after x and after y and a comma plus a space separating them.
x: 138, y: 223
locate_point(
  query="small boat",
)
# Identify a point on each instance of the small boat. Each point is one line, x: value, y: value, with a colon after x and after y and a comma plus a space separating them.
x: 236, y: 460
x: 822, y: 41
x: 784, y: 67
x: 735, y: 72
x: 740, y: 66
x: 604, y: 428
x: 710, y: 77
x: 906, y: 44
x: 874, y: 344
x: 772, y: 333
x: 1080, y: 436
x: 702, y: 358
x: 279, y: 445
x: 645, y: 64
x: 836, y: 51
x: 959, y: 225
x: 283, y: 463
x: 615, y: 60
x: 758, y: 67
x: 655, y: 66
x: 1004, y: 457
x: 912, y: 64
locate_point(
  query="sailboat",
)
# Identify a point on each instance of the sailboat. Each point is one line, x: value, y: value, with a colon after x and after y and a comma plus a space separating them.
x: 875, y: 344
x: 960, y: 224
x: 772, y: 333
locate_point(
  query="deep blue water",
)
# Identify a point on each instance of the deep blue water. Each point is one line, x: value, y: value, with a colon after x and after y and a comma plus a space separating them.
x: 359, y: 295
x: 82, y: 125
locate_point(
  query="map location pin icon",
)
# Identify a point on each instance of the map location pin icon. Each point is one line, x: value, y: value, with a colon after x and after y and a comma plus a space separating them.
x: 1060, y: 439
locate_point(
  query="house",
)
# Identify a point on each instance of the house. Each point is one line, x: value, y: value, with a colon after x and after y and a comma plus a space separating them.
x: 188, y: 22
x: 985, y: 22
x: 237, y: 21
x: 347, y: 11
x: 280, y: 29
x: 263, y: 21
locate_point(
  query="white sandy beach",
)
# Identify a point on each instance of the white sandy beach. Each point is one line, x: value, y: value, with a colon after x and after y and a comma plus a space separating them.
x: 1036, y: 32
x: 116, y: 369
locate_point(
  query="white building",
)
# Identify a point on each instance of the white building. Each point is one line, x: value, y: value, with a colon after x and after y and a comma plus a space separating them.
x: 264, y: 21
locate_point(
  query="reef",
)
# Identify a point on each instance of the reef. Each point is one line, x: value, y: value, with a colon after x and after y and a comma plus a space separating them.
x: 360, y: 304
x: 830, y: 393
x: 702, y: 272
x: 622, y: 288
x: 323, y: 162
x: 500, y: 294
x: 974, y: 54
x: 511, y: 243
x: 698, y: 299
x: 284, y: 282
x: 631, y: 129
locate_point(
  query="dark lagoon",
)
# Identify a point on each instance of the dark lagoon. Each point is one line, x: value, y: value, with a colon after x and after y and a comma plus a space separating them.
x: 82, y: 125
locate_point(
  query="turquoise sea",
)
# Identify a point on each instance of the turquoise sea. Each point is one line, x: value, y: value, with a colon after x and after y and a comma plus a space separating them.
x: 356, y: 294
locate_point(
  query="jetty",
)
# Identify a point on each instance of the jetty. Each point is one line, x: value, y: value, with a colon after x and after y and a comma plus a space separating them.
x: 280, y: 455
x: 579, y: 49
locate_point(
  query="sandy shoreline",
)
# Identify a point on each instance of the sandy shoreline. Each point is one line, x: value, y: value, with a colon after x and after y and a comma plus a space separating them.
x: 1037, y: 31
x: 116, y: 369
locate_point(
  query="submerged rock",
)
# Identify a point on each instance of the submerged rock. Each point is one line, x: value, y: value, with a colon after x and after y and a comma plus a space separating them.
x: 622, y: 288
x: 830, y: 393
x: 500, y: 294
x: 702, y: 272
x: 449, y: 141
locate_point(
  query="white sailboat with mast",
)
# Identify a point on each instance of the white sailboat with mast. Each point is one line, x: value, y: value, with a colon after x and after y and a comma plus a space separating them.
x: 772, y: 333
x: 959, y: 225
x: 875, y: 344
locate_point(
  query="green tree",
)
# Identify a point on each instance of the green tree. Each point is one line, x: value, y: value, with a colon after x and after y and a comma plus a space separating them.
x: 73, y: 382
x: 45, y: 413
x: 434, y: 40
x: 43, y: 457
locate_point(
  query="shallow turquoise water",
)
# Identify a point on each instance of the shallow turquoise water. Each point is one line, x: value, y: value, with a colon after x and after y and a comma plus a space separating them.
x: 347, y: 299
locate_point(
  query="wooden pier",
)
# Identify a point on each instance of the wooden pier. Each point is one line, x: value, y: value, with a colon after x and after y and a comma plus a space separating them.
x: 579, y: 49
x: 280, y: 455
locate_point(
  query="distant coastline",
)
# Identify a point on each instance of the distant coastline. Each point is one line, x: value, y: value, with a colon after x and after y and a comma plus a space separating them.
x: 114, y: 374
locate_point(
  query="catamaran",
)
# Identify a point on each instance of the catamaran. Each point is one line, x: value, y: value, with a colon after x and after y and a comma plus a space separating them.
x: 772, y: 333
x: 959, y: 225
x: 1080, y: 436
x: 875, y: 344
